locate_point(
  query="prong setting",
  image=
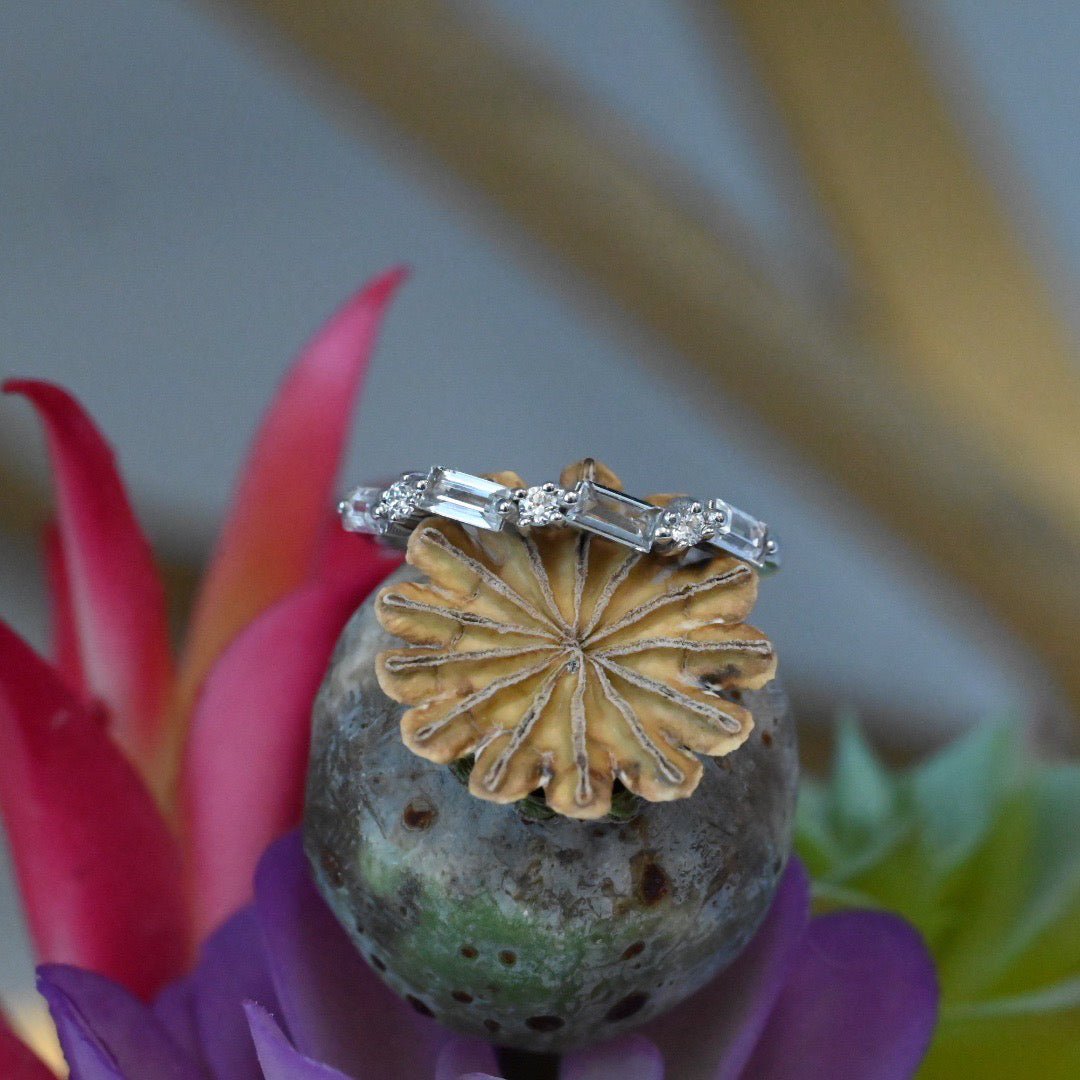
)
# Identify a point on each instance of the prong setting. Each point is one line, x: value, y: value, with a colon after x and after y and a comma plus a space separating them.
x: 542, y: 505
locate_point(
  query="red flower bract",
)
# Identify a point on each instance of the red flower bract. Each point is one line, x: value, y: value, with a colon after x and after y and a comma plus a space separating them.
x: 137, y: 801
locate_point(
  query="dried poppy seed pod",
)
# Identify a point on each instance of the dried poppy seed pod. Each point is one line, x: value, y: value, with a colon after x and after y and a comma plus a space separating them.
x: 565, y: 662
x: 546, y: 934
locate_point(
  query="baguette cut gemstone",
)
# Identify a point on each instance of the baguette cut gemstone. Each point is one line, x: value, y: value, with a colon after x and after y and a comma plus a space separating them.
x: 612, y: 514
x: 739, y: 533
x: 460, y: 496
x: 357, y: 511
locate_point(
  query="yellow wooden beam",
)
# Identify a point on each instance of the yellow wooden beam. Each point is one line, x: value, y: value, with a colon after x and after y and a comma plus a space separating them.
x: 947, y: 286
x: 528, y: 139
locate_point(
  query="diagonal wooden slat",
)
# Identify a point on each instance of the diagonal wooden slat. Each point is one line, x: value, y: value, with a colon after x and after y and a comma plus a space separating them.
x: 525, y: 138
x: 946, y: 284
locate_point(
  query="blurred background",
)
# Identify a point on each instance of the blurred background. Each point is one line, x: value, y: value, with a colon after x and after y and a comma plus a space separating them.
x: 821, y: 257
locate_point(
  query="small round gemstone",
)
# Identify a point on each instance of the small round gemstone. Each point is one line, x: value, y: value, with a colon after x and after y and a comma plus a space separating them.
x: 357, y: 510
x: 401, y: 499
x: 543, y: 505
x: 688, y: 521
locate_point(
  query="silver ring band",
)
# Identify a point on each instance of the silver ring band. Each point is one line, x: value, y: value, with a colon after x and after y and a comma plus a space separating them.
x: 685, y: 524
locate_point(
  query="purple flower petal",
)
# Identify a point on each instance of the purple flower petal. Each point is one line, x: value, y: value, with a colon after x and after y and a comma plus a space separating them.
x: 336, y: 1008
x: 465, y: 1057
x: 631, y: 1058
x: 175, y: 1009
x: 711, y: 1035
x: 279, y: 1059
x: 107, y: 1034
x: 232, y: 971
x: 83, y: 1052
x: 860, y: 1004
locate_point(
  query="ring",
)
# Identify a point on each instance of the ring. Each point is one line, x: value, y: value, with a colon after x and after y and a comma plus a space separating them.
x: 684, y: 524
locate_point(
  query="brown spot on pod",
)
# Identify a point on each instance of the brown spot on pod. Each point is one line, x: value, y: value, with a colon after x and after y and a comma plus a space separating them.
x: 623, y: 1010
x: 421, y: 1007
x: 508, y: 957
x: 545, y: 1023
x: 468, y: 952
x: 651, y: 882
x: 463, y: 996
x: 634, y: 950
x: 420, y: 814
x: 332, y: 868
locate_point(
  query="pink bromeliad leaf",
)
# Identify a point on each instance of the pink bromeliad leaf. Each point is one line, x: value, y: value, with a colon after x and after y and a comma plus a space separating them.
x: 115, y: 597
x: 98, y: 869
x: 271, y: 539
x: 65, y: 634
x: 246, y: 755
x: 353, y: 560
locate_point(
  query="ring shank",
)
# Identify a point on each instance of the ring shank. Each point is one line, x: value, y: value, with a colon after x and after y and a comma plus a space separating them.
x: 684, y: 527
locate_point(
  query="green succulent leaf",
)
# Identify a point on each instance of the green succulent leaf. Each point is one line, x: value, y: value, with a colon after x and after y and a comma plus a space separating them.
x: 979, y: 847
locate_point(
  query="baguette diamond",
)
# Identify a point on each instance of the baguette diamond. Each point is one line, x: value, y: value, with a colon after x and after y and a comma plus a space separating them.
x: 612, y: 514
x: 739, y: 533
x: 460, y: 496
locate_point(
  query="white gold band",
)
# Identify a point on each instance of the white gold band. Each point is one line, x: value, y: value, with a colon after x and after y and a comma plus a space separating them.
x: 392, y: 511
